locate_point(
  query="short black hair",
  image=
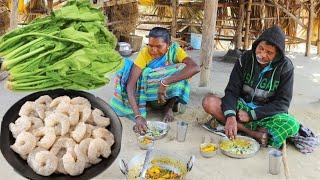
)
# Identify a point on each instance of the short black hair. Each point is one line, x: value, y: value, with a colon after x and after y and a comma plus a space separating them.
x: 160, y: 32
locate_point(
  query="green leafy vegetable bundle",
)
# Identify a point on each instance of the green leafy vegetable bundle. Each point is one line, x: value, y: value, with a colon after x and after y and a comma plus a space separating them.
x: 69, y: 49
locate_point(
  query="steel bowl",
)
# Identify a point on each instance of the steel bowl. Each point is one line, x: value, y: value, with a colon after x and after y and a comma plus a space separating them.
x: 145, y: 146
x: 21, y: 166
x: 164, y: 159
x: 159, y: 126
x: 255, y: 144
x: 208, y: 154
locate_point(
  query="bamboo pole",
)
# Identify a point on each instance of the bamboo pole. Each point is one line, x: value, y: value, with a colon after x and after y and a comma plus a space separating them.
x: 50, y: 6
x: 285, y: 160
x: 207, y: 45
x: 174, y: 18
x: 246, y: 35
x: 14, y: 15
x: 277, y: 13
x: 318, y: 42
x: 263, y: 14
x: 288, y: 13
x: 310, y: 27
x: 240, y: 25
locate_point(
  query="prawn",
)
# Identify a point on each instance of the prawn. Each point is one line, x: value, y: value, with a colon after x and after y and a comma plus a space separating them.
x: 44, y: 100
x: 79, y: 132
x: 73, y: 114
x: 21, y: 124
x: 80, y: 101
x: 74, y: 165
x: 89, y: 130
x: 84, y: 146
x: 59, y: 121
x: 48, y: 137
x: 96, y: 148
x: 99, y: 119
x: 32, y: 154
x: 32, y: 109
x: 103, y: 134
x: 85, y: 112
x: 35, y: 123
x: 24, y: 143
x: 60, y: 148
x: 45, y: 163
x: 63, y: 145
x: 62, y: 99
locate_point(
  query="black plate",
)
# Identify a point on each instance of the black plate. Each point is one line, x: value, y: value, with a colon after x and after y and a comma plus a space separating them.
x: 21, y: 165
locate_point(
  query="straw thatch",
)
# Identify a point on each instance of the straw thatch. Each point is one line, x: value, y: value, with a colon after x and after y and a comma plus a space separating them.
x: 35, y: 8
x: 228, y: 17
x: 4, y: 16
x: 123, y: 18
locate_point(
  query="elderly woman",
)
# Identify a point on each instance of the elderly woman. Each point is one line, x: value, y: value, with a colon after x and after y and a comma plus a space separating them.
x: 158, y: 77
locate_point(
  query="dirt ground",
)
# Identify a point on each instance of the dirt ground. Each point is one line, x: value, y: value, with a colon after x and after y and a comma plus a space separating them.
x: 305, y: 106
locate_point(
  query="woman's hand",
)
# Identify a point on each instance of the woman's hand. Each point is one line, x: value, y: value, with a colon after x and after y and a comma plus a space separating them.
x: 162, y: 92
x: 141, y: 125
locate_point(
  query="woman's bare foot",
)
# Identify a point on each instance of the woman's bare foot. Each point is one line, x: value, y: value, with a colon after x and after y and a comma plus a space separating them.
x: 168, y: 112
x: 168, y: 116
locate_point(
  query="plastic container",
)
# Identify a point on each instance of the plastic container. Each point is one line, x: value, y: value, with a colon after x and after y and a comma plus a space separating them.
x: 196, y: 40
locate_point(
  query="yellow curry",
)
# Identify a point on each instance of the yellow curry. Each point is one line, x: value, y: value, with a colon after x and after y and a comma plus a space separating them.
x: 208, y: 148
x: 156, y: 172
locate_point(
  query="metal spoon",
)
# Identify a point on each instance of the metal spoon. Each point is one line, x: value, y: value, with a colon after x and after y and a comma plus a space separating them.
x: 146, y: 162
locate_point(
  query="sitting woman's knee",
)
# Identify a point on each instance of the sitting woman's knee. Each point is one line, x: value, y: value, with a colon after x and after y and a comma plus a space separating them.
x: 210, y: 103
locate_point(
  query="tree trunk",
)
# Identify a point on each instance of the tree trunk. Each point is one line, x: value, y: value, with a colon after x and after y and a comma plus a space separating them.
x: 310, y: 27
x: 14, y: 15
x: 240, y: 25
x: 207, y: 46
x: 174, y: 18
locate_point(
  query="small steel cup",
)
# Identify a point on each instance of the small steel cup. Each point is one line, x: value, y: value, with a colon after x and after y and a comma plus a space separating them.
x: 182, y: 128
x: 274, y: 161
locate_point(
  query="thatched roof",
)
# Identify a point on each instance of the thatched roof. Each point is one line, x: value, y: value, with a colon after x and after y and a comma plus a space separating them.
x: 279, y: 12
x: 4, y: 16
